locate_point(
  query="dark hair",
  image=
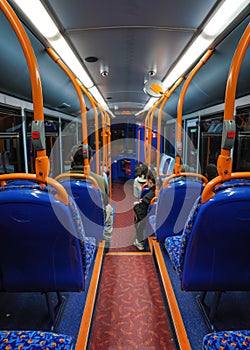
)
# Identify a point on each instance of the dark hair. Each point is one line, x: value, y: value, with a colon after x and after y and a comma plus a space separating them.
x: 150, y: 176
x: 78, y: 154
x: 211, y: 171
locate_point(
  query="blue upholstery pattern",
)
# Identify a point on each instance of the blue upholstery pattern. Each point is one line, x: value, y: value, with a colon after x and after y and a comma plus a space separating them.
x: 227, y: 340
x: 176, y: 245
x: 32, y: 340
x: 88, y: 244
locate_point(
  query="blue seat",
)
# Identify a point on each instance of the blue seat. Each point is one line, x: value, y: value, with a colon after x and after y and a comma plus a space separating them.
x: 173, y: 206
x: 43, y: 247
x: 239, y: 339
x: 212, y: 253
x: 90, y: 205
x: 16, y: 339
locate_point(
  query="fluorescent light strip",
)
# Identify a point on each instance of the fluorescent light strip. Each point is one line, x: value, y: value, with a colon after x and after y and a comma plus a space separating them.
x: 96, y: 94
x: 38, y: 15
x: 228, y: 11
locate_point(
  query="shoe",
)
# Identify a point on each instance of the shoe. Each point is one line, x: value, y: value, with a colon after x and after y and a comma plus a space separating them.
x: 106, y: 246
x: 139, y: 245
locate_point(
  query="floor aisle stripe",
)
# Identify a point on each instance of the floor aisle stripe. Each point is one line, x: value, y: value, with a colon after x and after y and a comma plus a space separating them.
x: 82, y: 339
x: 173, y: 306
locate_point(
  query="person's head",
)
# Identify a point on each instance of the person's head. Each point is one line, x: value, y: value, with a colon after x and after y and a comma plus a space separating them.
x: 78, y: 155
x: 144, y: 170
x: 150, y: 179
x: 211, y: 171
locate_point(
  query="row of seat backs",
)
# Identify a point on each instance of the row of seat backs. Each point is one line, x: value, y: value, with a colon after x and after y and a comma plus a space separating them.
x: 173, y: 206
x: 42, y: 243
x: 212, y: 253
x: 90, y: 205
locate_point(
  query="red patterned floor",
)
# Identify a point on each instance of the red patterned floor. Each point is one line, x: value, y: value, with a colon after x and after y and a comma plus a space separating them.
x: 130, y: 313
x: 123, y: 233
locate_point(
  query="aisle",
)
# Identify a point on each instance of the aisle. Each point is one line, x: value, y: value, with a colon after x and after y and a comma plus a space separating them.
x: 123, y: 232
x: 130, y: 313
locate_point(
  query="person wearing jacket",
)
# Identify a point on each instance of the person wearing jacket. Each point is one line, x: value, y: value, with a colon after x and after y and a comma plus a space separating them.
x: 140, y: 180
x: 141, y: 210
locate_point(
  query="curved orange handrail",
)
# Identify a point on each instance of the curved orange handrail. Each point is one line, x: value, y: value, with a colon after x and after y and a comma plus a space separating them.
x: 166, y: 97
x: 78, y: 176
x: 224, y: 163
x: 203, y: 60
x: 61, y: 192
x: 208, y: 191
x: 148, y: 131
x: 172, y: 176
x: 57, y: 59
x: 42, y: 161
x: 93, y: 104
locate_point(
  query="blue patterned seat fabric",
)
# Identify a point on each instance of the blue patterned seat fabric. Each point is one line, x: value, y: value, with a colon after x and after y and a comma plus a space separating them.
x: 32, y: 340
x: 227, y: 340
x: 88, y: 244
x: 176, y: 245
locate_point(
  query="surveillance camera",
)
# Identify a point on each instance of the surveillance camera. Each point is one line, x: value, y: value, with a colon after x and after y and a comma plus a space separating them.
x: 104, y: 71
x: 151, y: 73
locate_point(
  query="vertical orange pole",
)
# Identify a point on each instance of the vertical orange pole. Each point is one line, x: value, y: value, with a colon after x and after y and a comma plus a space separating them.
x: 202, y: 61
x: 166, y: 97
x: 224, y: 163
x: 93, y: 104
x: 139, y: 146
x: 42, y: 161
x: 57, y: 59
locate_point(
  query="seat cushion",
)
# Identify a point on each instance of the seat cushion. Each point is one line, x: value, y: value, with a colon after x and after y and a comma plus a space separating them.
x: 227, y: 340
x: 34, y: 340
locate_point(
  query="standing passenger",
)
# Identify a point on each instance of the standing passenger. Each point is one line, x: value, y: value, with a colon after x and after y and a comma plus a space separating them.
x: 141, y: 211
x: 140, y: 180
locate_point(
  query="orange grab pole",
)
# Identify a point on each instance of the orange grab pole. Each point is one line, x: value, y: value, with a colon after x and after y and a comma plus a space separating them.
x: 57, y: 59
x: 139, y: 146
x: 61, y: 192
x: 224, y: 163
x: 93, y: 104
x: 42, y: 161
x: 202, y: 61
x: 148, y: 131
x: 166, y: 97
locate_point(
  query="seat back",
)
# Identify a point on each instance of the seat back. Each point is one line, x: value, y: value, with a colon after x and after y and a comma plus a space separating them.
x: 166, y: 165
x: 90, y: 205
x: 216, y: 249
x: 173, y: 206
x: 40, y: 241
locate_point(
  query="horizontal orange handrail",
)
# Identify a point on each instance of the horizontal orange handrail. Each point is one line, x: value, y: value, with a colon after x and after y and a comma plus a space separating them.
x: 172, y: 176
x: 208, y: 190
x: 61, y: 194
x: 78, y: 176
